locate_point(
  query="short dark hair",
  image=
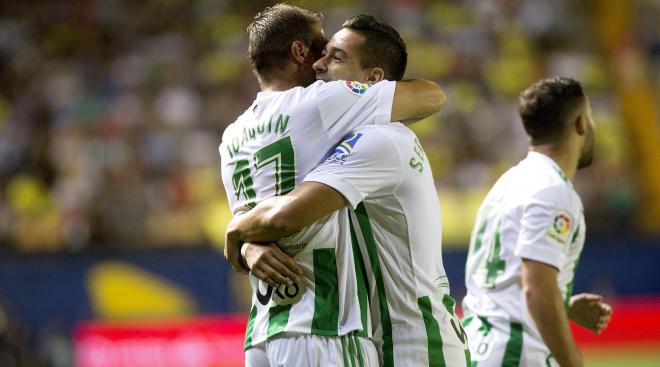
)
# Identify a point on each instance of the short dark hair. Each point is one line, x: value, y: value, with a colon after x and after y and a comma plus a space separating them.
x: 383, y: 46
x: 547, y: 107
x: 273, y: 31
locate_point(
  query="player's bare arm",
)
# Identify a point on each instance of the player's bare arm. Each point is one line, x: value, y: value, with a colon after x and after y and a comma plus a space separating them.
x: 546, y: 307
x: 415, y: 99
x: 278, y: 217
x: 589, y: 311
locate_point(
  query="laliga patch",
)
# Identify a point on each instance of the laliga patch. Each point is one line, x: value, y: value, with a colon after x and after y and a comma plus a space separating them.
x: 356, y: 88
x: 560, y: 228
x: 344, y: 149
x: 289, y: 294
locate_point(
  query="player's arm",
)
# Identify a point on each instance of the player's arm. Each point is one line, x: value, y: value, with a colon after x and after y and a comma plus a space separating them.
x: 546, y: 306
x: 278, y: 217
x: 415, y: 99
x: 281, y: 216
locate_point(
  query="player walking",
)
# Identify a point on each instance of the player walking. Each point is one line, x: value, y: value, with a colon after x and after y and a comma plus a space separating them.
x: 527, y: 240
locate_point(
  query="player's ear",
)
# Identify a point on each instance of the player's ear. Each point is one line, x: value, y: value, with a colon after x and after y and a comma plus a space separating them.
x: 299, y: 51
x: 580, y: 124
x: 375, y: 75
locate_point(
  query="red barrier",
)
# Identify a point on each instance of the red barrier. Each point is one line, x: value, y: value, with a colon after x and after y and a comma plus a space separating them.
x: 635, y: 322
x: 215, y: 341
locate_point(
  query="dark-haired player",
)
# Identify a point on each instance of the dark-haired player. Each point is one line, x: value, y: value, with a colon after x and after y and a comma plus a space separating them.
x: 527, y: 240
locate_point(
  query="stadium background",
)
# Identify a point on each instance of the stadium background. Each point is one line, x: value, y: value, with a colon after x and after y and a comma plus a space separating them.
x: 111, y: 207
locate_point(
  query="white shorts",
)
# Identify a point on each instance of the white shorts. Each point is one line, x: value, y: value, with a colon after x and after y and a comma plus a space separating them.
x: 313, y: 351
x: 500, y: 343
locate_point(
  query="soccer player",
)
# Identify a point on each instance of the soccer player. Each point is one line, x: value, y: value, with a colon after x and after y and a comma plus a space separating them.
x: 292, y: 124
x: 527, y: 240
x: 382, y: 174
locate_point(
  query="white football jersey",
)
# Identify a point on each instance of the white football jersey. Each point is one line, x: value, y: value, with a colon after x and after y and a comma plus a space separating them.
x: 384, y: 175
x: 267, y: 152
x: 532, y: 212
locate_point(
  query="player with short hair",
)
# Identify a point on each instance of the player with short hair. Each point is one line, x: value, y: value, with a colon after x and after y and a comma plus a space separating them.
x: 381, y: 173
x: 319, y: 316
x: 527, y: 241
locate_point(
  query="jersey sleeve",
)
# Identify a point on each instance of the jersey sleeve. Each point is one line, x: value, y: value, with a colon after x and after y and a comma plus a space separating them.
x: 363, y: 164
x: 346, y: 105
x: 546, y: 228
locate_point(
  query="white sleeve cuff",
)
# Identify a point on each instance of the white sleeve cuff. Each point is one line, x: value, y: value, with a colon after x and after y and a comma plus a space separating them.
x: 349, y: 192
x: 542, y: 254
x: 383, y: 114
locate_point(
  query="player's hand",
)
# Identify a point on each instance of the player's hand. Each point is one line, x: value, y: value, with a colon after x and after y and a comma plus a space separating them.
x: 589, y: 311
x: 233, y: 250
x: 270, y: 264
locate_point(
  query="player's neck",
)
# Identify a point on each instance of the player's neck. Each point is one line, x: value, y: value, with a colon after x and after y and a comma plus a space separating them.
x: 287, y: 78
x: 563, y: 157
x: 278, y: 85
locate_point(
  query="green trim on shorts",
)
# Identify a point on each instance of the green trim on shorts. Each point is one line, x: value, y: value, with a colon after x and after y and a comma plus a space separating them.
x: 361, y: 277
x: 374, y: 260
x: 513, y: 346
x: 250, y: 328
x: 278, y: 317
x: 434, y: 339
x: 343, y: 351
x: 326, y: 293
x: 358, y: 346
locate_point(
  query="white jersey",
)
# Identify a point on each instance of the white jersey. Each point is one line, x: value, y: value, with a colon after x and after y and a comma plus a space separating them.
x: 267, y: 152
x: 384, y: 175
x: 532, y: 212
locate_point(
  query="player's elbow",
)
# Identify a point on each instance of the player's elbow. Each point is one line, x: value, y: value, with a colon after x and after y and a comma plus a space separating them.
x: 434, y: 98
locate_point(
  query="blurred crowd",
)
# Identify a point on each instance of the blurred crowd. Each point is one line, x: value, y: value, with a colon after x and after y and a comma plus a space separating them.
x: 111, y: 112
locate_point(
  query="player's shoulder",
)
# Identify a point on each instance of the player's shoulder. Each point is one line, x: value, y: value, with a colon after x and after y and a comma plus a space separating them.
x: 228, y: 131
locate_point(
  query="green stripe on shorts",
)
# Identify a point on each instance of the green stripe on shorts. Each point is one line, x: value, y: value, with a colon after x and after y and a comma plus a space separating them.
x: 326, y: 293
x: 434, y: 339
x: 513, y: 346
x: 343, y: 351
x: 358, y: 346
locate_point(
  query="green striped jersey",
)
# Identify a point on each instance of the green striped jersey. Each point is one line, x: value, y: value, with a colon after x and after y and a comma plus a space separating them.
x: 335, y: 301
x: 531, y: 212
x: 395, y: 221
x: 266, y: 152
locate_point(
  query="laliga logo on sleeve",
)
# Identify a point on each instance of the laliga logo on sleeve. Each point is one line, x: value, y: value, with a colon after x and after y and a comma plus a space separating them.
x: 288, y: 294
x: 560, y: 227
x: 356, y: 88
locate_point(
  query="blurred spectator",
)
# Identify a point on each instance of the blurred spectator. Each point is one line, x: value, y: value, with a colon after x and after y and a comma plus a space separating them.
x: 111, y: 111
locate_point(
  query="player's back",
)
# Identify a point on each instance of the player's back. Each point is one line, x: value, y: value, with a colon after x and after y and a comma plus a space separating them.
x: 266, y: 152
x: 398, y: 228
x: 283, y: 135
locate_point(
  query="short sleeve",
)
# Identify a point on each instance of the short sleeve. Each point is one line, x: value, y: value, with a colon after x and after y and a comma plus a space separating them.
x: 364, y: 163
x: 346, y: 105
x: 545, y: 230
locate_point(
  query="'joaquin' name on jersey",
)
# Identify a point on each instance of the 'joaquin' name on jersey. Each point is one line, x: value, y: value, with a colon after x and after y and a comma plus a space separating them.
x: 251, y: 131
